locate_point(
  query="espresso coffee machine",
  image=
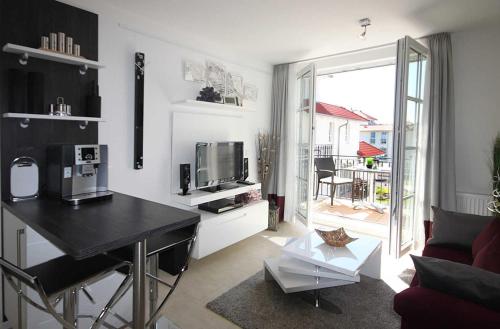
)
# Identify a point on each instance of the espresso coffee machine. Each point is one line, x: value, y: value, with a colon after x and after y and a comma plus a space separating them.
x: 78, y: 173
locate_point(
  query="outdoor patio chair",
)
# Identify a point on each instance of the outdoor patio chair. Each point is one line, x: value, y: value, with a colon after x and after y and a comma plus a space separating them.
x: 326, y: 174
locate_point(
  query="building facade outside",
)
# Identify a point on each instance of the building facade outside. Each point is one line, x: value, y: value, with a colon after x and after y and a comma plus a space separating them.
x: 378, y: 135
x: 339, y: 127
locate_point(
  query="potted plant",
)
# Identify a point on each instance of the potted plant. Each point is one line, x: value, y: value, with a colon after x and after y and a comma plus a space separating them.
x: 369, y: 163
x: 494, y: 204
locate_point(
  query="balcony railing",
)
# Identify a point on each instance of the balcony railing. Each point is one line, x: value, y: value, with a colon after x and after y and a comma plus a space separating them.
x: 368, y: 186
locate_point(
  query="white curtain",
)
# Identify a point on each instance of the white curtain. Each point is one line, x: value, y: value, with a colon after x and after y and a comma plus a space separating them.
x: 438, y: 183
x: 291, y: 159
x: 278, y: 128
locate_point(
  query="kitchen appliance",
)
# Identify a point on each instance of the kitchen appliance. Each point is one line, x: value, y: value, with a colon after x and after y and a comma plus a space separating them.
x: 78, y: 173
x: 53, y: 41
x: 218, y: 164
x: 60, y: 108
x: 76, y: 50
x: 23, y: 179
x: 94, y: 101
x: 61, y: 42
x: 18, y: 91
x: 69, y: 45
x: 36, y: 92
x: 44, y: 43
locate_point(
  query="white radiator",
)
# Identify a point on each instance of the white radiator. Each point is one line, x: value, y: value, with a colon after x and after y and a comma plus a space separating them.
x: 473, y: 203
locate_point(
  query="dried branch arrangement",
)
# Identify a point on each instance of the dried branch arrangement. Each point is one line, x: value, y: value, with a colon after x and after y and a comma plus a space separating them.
x: 494, y: 204
x: 266, y: 150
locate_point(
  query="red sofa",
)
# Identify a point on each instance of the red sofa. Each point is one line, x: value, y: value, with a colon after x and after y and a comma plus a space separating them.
x: 422, y: 308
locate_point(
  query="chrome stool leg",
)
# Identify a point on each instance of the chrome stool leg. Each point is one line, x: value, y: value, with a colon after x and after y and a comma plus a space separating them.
x: 156, y: 314
x: 122, y: 289
x: 70, y: 306
x: 153, y: 287
x: 34, y: 277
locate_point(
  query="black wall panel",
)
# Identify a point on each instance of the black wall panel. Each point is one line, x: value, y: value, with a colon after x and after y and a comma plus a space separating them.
x: 23, y: 22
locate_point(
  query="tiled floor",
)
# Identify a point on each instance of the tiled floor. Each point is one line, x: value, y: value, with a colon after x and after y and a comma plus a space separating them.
x: 344, y: 208
x: 211, y: 276
x: 364, y: 220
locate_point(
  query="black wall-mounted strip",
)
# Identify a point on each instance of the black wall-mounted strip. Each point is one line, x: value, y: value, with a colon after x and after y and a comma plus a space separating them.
x: 139, y: 111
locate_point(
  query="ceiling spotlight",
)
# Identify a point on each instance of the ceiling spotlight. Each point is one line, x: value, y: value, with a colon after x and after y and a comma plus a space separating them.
x: 364, y: 22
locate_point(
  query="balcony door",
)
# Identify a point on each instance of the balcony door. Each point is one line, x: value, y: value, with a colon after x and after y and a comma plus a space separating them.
x: 409, y: 104
x: 306, y: 106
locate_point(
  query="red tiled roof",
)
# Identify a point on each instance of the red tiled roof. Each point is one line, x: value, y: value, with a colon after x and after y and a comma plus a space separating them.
x: 367, y: 116
x: 367, y: 150
x: 337, y: 111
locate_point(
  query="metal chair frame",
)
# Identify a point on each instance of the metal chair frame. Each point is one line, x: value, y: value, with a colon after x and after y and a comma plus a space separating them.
x: 325, y: 168
x: 34, y: 283
x: 153, y: 277
x: 155, y: 311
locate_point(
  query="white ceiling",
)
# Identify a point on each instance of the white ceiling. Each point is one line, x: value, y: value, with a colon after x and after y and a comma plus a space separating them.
x: 277, y: 31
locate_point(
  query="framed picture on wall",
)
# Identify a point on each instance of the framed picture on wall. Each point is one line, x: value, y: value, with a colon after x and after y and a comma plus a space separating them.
x: 231, y: 100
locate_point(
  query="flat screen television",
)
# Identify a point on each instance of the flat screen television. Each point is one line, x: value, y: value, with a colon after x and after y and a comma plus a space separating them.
x: 218, y: 163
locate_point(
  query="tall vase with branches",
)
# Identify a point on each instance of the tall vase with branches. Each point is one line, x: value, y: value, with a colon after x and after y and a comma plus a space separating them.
x: 266, y: 150
x: 494, y: 204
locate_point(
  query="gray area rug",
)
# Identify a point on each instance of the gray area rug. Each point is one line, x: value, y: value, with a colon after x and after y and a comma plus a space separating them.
x: 256, y: 303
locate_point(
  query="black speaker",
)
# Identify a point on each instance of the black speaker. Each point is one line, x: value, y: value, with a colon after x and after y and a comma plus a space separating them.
x: 185, y: 178
x: 139, y: 111
x: 18, y: 91
x: 245, y: 168
x: 36, y: 93
x: 94, y: 101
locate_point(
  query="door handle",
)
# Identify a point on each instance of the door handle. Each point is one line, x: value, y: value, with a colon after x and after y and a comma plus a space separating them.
x: 19, y: 234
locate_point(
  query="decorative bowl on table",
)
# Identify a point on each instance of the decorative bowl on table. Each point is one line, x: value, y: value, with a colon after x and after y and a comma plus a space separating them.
x: 335, y: 238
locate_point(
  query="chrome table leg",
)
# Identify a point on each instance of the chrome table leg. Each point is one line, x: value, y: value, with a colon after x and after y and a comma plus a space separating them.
x: 70, y: 306
x: 316, y: 298
x: 153, y: 287
x: 316, y: 291
x: 139, y: 298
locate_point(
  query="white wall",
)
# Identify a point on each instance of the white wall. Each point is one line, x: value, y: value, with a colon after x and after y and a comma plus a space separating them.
x: 120, y: 36
x: 476, y: 67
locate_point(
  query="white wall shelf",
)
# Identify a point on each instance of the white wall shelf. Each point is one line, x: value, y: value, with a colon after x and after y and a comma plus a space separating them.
x: 27, y: 117
x: 215, y: 106
x: 28, y: 52
x: 198, y: 197
x: 50, y: 117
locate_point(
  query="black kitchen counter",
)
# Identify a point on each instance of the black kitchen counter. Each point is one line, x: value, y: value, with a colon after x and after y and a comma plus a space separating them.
x: 96, y: 227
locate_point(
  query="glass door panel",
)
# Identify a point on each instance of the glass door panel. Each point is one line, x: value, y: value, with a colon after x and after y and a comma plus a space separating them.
x: 410, y: 79
x: 305, y: 119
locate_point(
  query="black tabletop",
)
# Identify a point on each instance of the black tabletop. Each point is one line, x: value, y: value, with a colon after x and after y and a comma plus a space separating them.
x: 97, y: 227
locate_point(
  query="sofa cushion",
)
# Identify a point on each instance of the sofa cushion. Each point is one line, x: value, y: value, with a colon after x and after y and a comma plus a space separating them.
x: 431, y: 309
x: 485, y: 237
x: 462, y: 281
x: 459, y: 255
x: 454, y: 228
x: 489, y: 257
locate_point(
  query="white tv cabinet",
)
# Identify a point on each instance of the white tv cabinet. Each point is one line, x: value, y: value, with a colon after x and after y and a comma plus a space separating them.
x: 217, y: 231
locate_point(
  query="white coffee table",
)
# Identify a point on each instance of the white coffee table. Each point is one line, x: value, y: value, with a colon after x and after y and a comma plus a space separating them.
x: 307, y: 263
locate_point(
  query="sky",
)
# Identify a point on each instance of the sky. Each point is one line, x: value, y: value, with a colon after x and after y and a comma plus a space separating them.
x: 368, y: 90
